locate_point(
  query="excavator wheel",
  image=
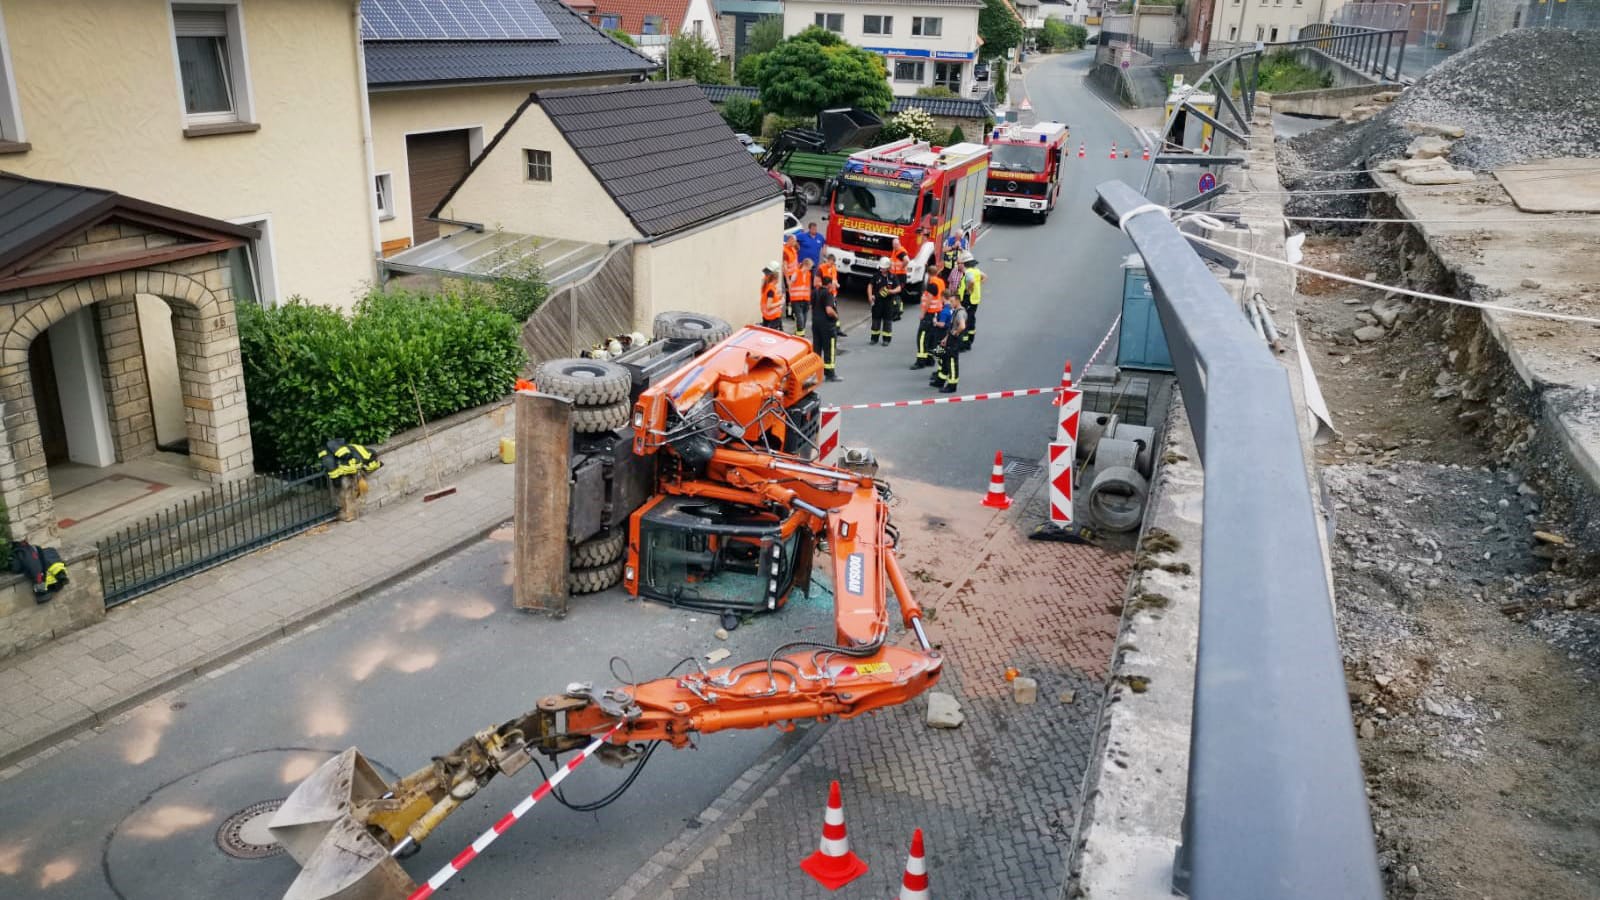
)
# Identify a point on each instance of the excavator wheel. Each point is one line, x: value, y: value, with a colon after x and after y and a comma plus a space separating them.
x: 600, y: 551
x: 590, y: 581
x: 586, y: 382
x: 691, y: 325
x: 594, y: 419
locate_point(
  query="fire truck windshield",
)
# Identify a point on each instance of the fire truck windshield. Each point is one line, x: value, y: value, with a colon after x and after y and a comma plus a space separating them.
x: 1017, y: 157
x: 876, y: 202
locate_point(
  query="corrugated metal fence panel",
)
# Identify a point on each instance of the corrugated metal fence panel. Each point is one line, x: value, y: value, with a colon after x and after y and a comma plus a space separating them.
x: 587, y: 312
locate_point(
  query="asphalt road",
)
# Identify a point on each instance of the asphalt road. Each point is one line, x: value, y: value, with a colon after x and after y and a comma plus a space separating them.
x: 1052, y: 292
x: 133, y: 812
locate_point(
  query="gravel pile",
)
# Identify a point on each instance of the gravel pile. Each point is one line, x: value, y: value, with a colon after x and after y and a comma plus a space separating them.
x: 1529, y: 94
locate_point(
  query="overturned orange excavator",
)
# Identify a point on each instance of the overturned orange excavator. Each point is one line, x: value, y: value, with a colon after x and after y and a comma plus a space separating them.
x: 728, y: 500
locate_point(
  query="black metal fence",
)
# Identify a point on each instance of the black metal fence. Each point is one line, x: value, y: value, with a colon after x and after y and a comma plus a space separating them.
x: 228, y: 521
x: 1372, y: 51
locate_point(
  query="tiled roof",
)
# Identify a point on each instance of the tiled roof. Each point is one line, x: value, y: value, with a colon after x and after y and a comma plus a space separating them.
x: 975, y: 4
x: 660, y: 150
x: 955, y: 108
x: 581, y: 50
x: 632, y: 13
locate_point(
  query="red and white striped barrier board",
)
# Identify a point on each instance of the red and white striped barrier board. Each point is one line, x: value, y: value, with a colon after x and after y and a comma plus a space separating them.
x: 828, y: 436
x: 1061, y: 456
x: 509, y: 819
x: 965, y: 398
x: 1071, y: 406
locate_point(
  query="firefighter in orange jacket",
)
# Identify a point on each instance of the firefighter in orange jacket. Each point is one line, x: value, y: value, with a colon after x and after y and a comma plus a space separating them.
x: 791, y: 264
x: 771, y: 296
x: 800, y: 297
x: 927, y: 330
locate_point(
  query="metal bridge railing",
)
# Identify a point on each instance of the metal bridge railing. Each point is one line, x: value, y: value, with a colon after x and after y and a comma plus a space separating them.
x: 1276, y: 804
x: 1372, y: 51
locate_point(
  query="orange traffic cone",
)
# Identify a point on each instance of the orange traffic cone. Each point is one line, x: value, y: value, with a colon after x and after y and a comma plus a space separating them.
x: 1080, y: 151
x: 1066, y: 383
x: 833, y: 865
x: 996, y: 498
x: 1113, y: 149
x: 914, y: 884
x: 1146, y: 156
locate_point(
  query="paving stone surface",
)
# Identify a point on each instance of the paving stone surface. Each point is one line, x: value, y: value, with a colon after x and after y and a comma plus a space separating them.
x: 996, y: 798
x: 167, y: 635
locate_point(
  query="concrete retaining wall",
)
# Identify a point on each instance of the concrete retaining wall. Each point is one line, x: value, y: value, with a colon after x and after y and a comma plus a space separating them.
x: 25, y: 624
x: 1343, y: 75
x: 457, y: 442
x: 1329, y: 103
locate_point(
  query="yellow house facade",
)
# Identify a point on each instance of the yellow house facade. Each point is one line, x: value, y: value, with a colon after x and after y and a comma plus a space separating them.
x: 248, y: 111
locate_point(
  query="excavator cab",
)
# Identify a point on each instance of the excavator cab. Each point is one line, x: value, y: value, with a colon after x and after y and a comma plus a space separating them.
x: 717, y: 556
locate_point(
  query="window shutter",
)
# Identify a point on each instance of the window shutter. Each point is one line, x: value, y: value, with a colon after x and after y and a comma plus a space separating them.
x: 200, y: 22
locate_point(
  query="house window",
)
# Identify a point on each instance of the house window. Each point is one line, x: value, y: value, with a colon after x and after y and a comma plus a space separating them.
x: 877, y: 24
x: 1261, y: 31
x: 833, y: 22
x: 10, y: 111
x: 909, y: 70
x: 1274, y: 37
x: 697, y: 26
x: 252, y: 266
x: 384, y: 189
x: 652, y: 25
x: 610, y: 23
x: 1233, y: 32
x: 927, y: 26
x: 211, y: 64
x: 538, y: 164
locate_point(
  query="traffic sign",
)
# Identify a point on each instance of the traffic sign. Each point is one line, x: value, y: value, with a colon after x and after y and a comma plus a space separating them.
x: 1208, y: 182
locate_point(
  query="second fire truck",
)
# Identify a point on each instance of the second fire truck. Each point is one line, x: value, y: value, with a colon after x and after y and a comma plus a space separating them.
x: 1025, y: 168
x: 886, y: 194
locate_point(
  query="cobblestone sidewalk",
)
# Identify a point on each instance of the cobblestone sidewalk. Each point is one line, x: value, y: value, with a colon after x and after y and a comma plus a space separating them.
x: 997, y: 797
x: 185, y: 629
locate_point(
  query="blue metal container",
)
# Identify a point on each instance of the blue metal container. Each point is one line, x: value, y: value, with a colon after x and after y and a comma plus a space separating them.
x: 1142, y: 344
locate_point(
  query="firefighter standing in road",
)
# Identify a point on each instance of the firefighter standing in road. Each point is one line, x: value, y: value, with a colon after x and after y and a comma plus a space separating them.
x: 899, y: 265
x: 824, y: 324
x: 953, y: 247
x: 829, y: 270
x: 971, y: 295
x: 952, y: 322
x: 927, y: 335
x: 791, y: 265
x: 886, y: 290
x: 800, y: 296
x: 771, y: 296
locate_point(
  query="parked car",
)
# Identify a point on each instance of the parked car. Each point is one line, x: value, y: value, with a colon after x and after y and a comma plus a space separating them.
x: 1093, y: 40
x: 980, y: 72
x: 791, y: 224
x: 751, y: 144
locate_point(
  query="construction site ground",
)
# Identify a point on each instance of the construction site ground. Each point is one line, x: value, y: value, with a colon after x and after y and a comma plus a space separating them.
x: 1470, y: 644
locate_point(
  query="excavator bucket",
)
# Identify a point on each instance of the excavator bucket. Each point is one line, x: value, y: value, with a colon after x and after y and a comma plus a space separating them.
x: 339, y: 858
x: 847, y: 127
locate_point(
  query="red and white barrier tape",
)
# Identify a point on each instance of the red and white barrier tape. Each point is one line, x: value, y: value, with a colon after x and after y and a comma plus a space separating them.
x: 509, y: 819
x: 1109, y: 332
x: 965, y: 398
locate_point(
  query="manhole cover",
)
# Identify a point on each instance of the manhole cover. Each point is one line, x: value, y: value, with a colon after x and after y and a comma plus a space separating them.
x: 1020, y: 469
x: 244, y: 835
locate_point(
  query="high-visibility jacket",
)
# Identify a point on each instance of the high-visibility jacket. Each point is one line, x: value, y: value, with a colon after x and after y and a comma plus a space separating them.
x: 340, y: 458
x: 897, y: 262
x: 828, y: 270
x: 791, y: 260
x: 800, y: 287
x: 933, y: 295
x: 771, y: 300
x: 972, y: 285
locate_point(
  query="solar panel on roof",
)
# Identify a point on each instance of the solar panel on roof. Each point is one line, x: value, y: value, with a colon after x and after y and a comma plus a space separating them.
x: 439, y: 20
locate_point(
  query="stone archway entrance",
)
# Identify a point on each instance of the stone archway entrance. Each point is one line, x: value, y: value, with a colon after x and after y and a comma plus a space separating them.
x: 71, y: 292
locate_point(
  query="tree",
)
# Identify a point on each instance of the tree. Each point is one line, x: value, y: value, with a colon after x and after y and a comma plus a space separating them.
x: 1053, y: 36
x: 956, y: 136
x: 621, y: 37
x: 1000, y: 81
x: 690, y: 58
x: 999, y: 27
x: 816, y: 70
x: 742, y: 115
x: 748, y: 71
x: 766, y: 34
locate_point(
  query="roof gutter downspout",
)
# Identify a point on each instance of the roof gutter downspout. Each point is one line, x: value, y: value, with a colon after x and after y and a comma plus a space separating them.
x: 366, y: 143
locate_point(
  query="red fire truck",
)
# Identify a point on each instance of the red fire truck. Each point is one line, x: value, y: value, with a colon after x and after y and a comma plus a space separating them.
x: 1025, y: 168
x: 885, y: 195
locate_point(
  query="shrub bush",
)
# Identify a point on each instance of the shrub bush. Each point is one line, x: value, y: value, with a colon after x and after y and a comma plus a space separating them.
x: 743, y: 115
x: 913, y: 123
x: 312, y: 374
x: 956, y: 136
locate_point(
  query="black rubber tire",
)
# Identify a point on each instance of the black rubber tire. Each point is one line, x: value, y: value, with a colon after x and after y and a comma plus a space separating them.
x: 595, y: 419
x: 600, y: 551
x: 586, y: 382
x: 691, y: 325
x: 810, y: 190
x: 594, y: 580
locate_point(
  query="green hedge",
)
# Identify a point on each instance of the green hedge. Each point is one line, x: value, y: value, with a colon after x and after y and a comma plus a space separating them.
x: 312, y: 373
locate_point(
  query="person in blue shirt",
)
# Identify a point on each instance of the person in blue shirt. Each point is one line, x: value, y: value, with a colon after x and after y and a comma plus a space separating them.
x: 811, y: 245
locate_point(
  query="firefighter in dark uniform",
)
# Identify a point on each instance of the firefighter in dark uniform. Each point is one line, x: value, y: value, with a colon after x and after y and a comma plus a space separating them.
x: 952, y: 321
x: 825, y: 325
x: 971, y: 295
x: 927, y: 337
x: 886, y: 291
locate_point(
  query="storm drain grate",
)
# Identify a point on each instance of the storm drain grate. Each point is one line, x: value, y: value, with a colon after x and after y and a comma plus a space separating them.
x: 244, y: 834
x: 1020, y: 469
